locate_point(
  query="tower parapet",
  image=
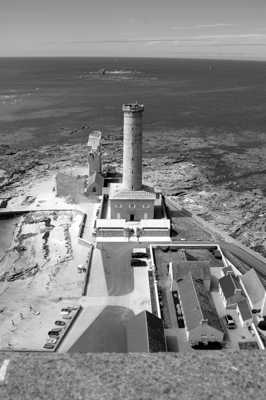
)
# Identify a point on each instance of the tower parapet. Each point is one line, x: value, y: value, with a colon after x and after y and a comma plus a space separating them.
x: 132, y: 146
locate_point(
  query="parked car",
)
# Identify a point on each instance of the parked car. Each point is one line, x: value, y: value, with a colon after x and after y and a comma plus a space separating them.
x: 139, y: 253
x: 217, y: 254
x: 52, y: 340
x: 60, y: 323
x: 174, y: 248
x: 136, y: 262
x: 68, y: 316
x: 230, y: 323
x: 178, y: 309
x: 49, y: 346
x: 66, y: 310
x: 55, y: 332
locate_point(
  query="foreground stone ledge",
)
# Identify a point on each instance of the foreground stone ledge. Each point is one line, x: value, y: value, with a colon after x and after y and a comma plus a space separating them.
x: 192, y: 375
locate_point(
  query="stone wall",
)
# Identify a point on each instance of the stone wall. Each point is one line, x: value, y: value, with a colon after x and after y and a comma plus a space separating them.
x: 140, y: 209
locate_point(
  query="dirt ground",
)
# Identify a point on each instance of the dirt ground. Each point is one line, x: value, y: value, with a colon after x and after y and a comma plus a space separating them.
x: 39, y: 275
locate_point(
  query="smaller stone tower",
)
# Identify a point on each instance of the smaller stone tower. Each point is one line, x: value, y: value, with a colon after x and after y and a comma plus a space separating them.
x: 94, y: 152
x: 132, y: 151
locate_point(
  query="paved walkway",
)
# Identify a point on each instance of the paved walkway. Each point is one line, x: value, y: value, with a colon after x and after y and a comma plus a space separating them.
x: 98, y: 299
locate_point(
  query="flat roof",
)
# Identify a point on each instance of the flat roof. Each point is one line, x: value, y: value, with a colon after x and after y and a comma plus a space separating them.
x: 110, y: 223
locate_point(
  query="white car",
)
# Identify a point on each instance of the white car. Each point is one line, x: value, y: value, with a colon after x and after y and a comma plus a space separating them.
x: 52, y: 340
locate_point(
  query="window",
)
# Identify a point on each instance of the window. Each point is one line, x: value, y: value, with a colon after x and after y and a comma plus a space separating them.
x: 132, y: 205
x: 118, y: 205
x: 146, y: 206
x: 94, y: 189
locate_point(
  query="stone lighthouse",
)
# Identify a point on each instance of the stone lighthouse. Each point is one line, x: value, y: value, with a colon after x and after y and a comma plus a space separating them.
x: 132, y: 146
x: 130, y: 200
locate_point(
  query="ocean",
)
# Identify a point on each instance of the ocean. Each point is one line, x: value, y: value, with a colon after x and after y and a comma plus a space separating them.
x: 41, y: 99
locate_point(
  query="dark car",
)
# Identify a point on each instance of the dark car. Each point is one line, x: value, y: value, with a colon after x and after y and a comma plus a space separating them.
x: 66, y: 309
x: 230, y: 323
x: 60, y: 323
x: 55, y: 332
x: 217, y: 254
x: 136, y: 262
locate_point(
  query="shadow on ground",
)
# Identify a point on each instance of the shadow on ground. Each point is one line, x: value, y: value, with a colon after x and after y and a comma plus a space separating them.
x: 106, y: 334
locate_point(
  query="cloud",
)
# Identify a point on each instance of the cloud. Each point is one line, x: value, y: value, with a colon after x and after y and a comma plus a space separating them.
x: 234, y: 39
x: 203, y: 26
x: 218, y: 25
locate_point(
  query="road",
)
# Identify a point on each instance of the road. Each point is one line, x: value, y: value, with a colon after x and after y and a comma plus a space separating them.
x: 243, y: 260
x: 242, y: 257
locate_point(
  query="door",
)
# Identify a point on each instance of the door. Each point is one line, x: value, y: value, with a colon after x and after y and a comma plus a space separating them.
x: 131, y: 217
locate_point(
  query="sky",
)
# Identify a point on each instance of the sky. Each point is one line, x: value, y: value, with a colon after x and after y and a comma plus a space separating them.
x: 233, y: 29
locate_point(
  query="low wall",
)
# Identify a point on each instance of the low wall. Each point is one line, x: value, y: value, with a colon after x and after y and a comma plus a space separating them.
x: 87, y: 276
x: 82, y: 225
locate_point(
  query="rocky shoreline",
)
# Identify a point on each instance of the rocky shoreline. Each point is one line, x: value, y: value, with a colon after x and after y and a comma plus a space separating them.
x: 223, y: 198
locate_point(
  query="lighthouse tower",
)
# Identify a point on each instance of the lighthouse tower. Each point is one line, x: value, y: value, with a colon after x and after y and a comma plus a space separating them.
x: 130, y: 200
x: 132, y: 147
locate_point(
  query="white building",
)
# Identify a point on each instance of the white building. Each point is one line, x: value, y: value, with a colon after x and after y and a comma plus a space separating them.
x: 131, y: 209
x: 255, y: 292
x: 202, y: 323
x: 244, y: 313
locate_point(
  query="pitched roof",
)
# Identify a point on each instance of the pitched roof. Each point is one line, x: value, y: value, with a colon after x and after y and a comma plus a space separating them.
x: 228, y: 270
x: 198, y: 269
x: 145, y: 333
x: 244, y: 310
x: 253, y: 286
x: 96, y: 177
x: 229, y: 284
x: 196, y: 304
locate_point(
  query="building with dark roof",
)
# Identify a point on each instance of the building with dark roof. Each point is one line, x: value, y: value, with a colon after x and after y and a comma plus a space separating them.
x: 201, y: 320
x: 145, y: 333
x: 230, y: 290
x: 94, y: 184
x: 200, y: 270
